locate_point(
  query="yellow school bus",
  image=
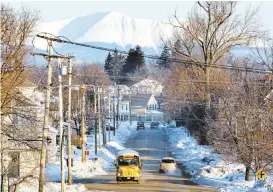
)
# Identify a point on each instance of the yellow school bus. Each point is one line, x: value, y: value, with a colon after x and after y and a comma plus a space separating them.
x: 128, y: 166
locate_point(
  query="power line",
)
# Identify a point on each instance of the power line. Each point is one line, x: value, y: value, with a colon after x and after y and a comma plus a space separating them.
x: 185, y: 62
x: 177, y: 80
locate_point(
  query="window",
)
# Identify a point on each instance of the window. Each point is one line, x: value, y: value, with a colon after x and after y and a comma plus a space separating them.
x: 14, y: 165
x: 126, y: 162
x: 168, y: 161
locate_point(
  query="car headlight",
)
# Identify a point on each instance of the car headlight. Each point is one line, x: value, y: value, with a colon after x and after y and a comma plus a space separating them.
x: 118, y: 174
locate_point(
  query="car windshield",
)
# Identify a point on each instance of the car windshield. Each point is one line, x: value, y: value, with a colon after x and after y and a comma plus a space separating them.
x: 140, y: 123
x: 127, y: 162
x: 167, y: 161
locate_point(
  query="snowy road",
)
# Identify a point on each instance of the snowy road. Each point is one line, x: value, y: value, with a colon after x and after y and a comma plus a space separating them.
x: 152, y: 146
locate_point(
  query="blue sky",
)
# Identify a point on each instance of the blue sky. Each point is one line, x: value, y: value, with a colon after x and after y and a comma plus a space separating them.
x: 54, y: 10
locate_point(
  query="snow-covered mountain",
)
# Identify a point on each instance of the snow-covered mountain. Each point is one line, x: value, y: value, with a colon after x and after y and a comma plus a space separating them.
x: 110, y: 29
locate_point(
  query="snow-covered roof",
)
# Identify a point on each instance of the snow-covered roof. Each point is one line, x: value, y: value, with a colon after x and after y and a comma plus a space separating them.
x: 171, y: 158
x: 140, y: 100
x: 53, y: 130
x: 120, y: 86
x: 154, y: 111
x: 147, y: 83
x: 36, y: 97
x: 127, y: 151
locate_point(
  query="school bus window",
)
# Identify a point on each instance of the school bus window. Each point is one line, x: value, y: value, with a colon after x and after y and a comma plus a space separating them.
x: 127, y: 162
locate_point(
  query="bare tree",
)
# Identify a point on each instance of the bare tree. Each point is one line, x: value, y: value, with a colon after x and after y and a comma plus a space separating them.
x: 243, y: 129
x: 91, y: 74
x: 263, y: 55
x: 16, y: 28
x: 210, y: 32
x: 17, y: 118
x: 185, y: 93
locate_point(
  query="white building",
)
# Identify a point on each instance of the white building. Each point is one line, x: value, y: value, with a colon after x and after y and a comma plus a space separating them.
x: 144, y: 108
x: 147, y: 86
x: 24, y: 159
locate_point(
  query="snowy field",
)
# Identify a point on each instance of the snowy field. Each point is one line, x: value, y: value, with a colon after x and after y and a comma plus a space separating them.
x: 104, y: 162
x: 208, y: 168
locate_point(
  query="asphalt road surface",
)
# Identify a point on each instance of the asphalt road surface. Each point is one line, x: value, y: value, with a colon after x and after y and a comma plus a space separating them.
x: 152, y: 146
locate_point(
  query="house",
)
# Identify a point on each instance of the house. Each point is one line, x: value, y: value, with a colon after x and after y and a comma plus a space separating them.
x: 35, y: 105
x: 144, y: 108
x: 123, y: 89
x: 22, y: 147
x: 147, y: 86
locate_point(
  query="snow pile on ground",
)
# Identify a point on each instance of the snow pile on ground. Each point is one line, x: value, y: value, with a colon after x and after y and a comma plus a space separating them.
x: 208, y: 168
x: 95, y: 164
x: 56, y: 187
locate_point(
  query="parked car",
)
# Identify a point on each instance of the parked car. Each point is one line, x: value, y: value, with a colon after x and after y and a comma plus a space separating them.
x: 154, y: 125
x: 167, y: 164
x: 112, y: 128
x: 147, y: 124
x: 140, y: 125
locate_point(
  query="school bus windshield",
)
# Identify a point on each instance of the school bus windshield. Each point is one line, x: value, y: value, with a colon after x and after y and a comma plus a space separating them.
x: 128, y: 162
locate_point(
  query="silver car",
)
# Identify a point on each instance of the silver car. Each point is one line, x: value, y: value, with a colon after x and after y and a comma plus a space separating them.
x: 167, y: 164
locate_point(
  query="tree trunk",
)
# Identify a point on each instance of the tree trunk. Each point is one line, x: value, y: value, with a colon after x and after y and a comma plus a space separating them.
x: 247, y: 175
x: 207, y: 91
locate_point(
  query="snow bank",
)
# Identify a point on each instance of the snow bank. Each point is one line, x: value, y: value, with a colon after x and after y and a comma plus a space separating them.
x: 208, y: 168
x: 95, y: 165
x: 56, y: 187
x: 105, y: 158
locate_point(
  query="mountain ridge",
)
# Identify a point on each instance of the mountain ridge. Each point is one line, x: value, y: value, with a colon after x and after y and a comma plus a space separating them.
x: 111, y: 30
x: 109, y: 27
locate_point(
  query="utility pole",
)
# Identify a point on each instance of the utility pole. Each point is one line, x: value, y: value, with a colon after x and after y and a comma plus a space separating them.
x: 114, y: 115
x: 83, y: 90
x: 188, y: 130
x: 46, y: 124
x: 99, y: 117
x: 103, y: 118
x: 69, y: 123
x: 109, y: 115
x: 96, y: 126
x: 118, y: 109
x: 60, y: 66
x: 130, y: 107
x: 46, y: 115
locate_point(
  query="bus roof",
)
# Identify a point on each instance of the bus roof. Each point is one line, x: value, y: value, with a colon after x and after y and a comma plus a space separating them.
x: 127, y: 152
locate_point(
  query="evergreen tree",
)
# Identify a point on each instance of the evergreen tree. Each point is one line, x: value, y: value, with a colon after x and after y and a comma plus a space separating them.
x: 116, y: 64
x: 135, y: 60
x: 108, y: 62
x: 140, y: 57
x: 113, y: 64
x: 164, y: 59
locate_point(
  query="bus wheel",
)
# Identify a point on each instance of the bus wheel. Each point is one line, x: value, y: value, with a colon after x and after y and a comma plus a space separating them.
x: 138, y: 181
